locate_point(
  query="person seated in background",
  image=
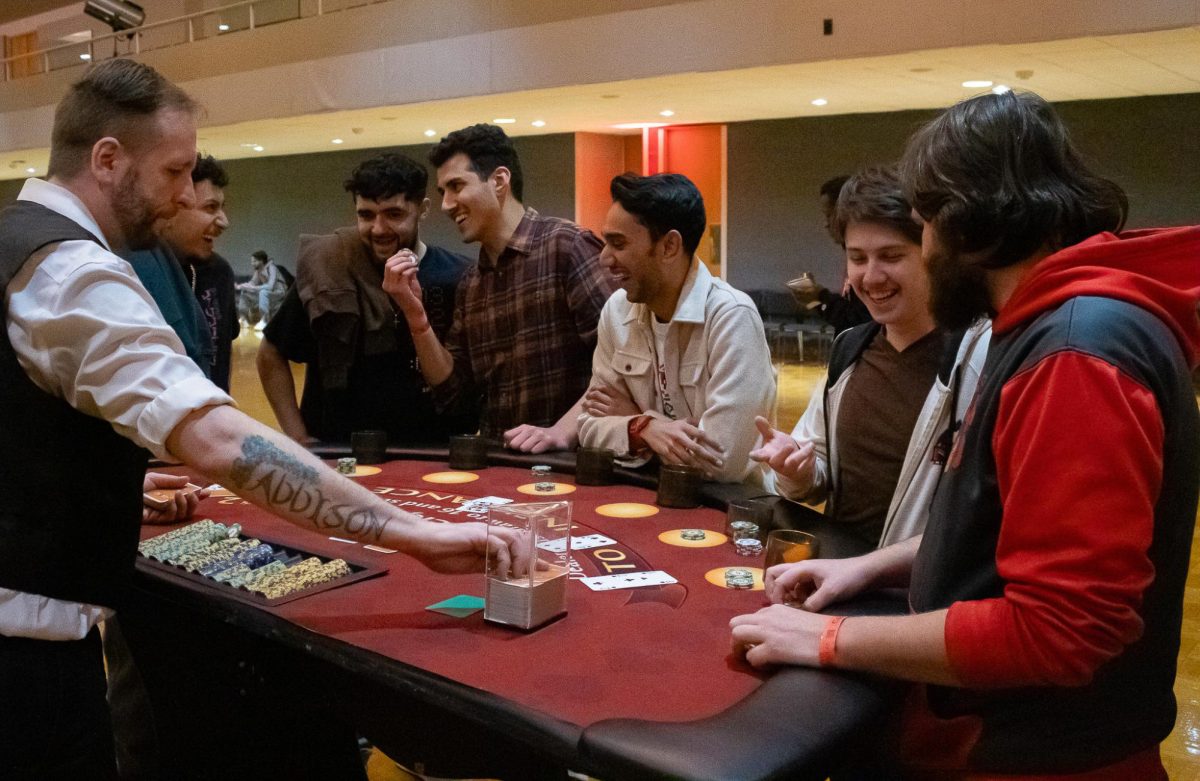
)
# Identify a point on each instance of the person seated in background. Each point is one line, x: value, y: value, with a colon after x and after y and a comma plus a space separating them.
x: 191, y: 234
x: 260, y: 296
x: 361, y: 367
x: 1046, y: 593
x: 842, y: 310
x: 525, y: 319
x: 873, y: 440
x: 681, y: 366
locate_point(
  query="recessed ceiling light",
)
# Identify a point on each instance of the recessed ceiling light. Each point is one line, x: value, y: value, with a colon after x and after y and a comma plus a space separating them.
x: 257, y: 148
x: 223, y: 27
x: 919, y: 70
x: 666, y: 113
x: 977, y: 84
x: 430, y: 133
x: 85, y: 56
x: 249, y: 146
x: 31, y: 170
x: 638, y: 125
x: 610, y: 96
x: 504, y: 120
x: 820, y: 102
x: 538, y: 123
x: 1000, y: 89
x: 336, y: 141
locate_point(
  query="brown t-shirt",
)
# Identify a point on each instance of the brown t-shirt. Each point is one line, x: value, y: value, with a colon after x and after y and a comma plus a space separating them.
x: 879, y: 408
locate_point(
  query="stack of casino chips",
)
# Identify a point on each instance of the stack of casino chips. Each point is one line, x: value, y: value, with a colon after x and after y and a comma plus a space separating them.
x: 215, y: 551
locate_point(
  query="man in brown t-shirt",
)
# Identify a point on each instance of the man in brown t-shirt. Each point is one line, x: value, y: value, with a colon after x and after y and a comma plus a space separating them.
x: 867, y: 445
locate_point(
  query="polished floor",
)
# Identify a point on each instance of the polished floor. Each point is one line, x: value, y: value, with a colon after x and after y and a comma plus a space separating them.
x: 1181, y: 750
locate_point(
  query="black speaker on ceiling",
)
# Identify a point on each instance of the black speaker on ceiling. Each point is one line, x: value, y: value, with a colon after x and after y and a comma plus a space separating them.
x: 117, y: 14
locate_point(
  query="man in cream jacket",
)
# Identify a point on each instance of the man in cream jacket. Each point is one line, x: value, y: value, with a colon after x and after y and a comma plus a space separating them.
x: 681, y: 366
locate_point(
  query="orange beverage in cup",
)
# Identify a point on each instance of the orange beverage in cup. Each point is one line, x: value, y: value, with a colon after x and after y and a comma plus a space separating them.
x: 787, y: 546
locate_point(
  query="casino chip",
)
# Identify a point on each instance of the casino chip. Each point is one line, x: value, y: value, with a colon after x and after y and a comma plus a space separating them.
x: 546, y: 487
x: 692, y: 534
x: 345, y: 466
x: 748, y: 546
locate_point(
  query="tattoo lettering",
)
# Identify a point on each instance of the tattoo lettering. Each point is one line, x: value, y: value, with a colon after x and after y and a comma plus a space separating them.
x: 288, y: 486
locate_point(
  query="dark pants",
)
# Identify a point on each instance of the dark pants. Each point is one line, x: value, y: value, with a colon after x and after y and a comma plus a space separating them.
x: 54, y: 720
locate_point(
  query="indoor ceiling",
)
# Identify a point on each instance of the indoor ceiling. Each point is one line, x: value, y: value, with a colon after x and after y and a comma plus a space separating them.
x: 1151, y: 63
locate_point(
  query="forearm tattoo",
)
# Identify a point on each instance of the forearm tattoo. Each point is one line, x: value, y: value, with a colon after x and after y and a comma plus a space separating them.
x: 288, y: 486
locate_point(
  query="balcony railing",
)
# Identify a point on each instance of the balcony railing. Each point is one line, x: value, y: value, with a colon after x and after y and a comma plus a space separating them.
x: 227, y: 20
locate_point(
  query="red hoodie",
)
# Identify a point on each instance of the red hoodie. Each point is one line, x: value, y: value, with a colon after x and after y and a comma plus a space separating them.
x: 1078, y: 443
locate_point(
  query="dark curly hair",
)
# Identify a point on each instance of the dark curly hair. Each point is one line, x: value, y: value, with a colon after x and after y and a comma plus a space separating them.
x: 999, y: 178
x: 487, y: 147
x: 663, y: 203
x: 388, y: 174
x: 209, y: 170
x: 874, y: 195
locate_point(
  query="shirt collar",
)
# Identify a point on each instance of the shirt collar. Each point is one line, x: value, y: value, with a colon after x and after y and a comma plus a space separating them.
x: 693, y: 298
x: 59, y: 199
x: 520, y: 243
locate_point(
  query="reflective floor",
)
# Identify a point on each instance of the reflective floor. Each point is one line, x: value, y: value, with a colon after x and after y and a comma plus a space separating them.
x: 1181, y: 750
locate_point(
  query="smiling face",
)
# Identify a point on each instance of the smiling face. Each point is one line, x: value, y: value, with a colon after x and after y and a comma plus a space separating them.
x: 886, y: 271
x: 467, y: 199
x: 156, y: 183
x: 192, y: 233
x: 631, y: 257
x: 389, y: 225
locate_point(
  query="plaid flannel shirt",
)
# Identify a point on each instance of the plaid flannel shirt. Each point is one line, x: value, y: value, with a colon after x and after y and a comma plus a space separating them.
x: 525, y: 326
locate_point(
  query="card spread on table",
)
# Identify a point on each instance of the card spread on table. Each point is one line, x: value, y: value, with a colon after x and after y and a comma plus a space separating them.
x: 481, y: 504
x: 628, y: 580
x: 459, y: 606
x: 577, y: 543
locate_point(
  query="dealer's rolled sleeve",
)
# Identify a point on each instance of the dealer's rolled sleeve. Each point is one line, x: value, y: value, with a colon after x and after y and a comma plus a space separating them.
x: 85, y: 329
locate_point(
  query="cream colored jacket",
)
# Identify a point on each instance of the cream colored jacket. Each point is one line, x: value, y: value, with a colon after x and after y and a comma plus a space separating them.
x: 718, y: 370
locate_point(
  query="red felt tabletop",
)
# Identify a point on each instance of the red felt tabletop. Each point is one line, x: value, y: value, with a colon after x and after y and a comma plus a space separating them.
x: 659, y: 653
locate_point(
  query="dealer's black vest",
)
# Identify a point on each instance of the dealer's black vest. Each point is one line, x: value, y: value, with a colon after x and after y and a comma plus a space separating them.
x: 70, y: 486
x: 1129, y: 705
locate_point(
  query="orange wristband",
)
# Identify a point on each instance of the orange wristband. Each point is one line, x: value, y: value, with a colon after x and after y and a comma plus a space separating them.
x: 826, y: 651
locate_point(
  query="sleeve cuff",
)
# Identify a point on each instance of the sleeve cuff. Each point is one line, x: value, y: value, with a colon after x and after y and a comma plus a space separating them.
x: 164, y: 413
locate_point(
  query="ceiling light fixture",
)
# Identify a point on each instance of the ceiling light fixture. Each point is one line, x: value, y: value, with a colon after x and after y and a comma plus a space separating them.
x: 85, y: 56
x: 31, y: 170
x: 820, y: 102
x: 336, y: 141
x: 504, y: 120
x: 977, y: 84
x: 538, y: 123
x: 666, y: 113
x: 430, y: 133
x: 638, y: 125
x: 257, y: 148
x: 223, y: 27
x: 1000, y: 89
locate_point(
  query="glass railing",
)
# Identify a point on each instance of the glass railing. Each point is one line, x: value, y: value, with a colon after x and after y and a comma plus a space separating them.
x: 229, y: 19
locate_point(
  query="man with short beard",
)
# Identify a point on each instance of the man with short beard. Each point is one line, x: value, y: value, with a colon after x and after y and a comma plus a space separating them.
x: 1047, y: 588
x: 93, y: 378
x: 361, y: 369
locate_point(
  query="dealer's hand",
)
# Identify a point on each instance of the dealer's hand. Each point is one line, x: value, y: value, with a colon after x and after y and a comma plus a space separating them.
x: 794, y: 460
x: 183, y: 504
x: 456, y: 548
x: 777, y: 635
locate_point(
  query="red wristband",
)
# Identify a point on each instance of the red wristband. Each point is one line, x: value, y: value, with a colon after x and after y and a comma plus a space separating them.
x: 637, y: 425
x: 826, y: 651
x: 422, y: 328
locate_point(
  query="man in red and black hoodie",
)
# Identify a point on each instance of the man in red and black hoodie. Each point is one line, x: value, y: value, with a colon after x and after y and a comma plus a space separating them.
x: 1047, y: 590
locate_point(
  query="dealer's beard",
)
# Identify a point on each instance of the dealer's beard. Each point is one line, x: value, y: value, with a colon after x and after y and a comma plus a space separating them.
x: 135, y: 214
x: 959, y: 292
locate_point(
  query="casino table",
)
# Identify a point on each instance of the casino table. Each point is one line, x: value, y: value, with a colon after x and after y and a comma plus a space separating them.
x: 635, y: 683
